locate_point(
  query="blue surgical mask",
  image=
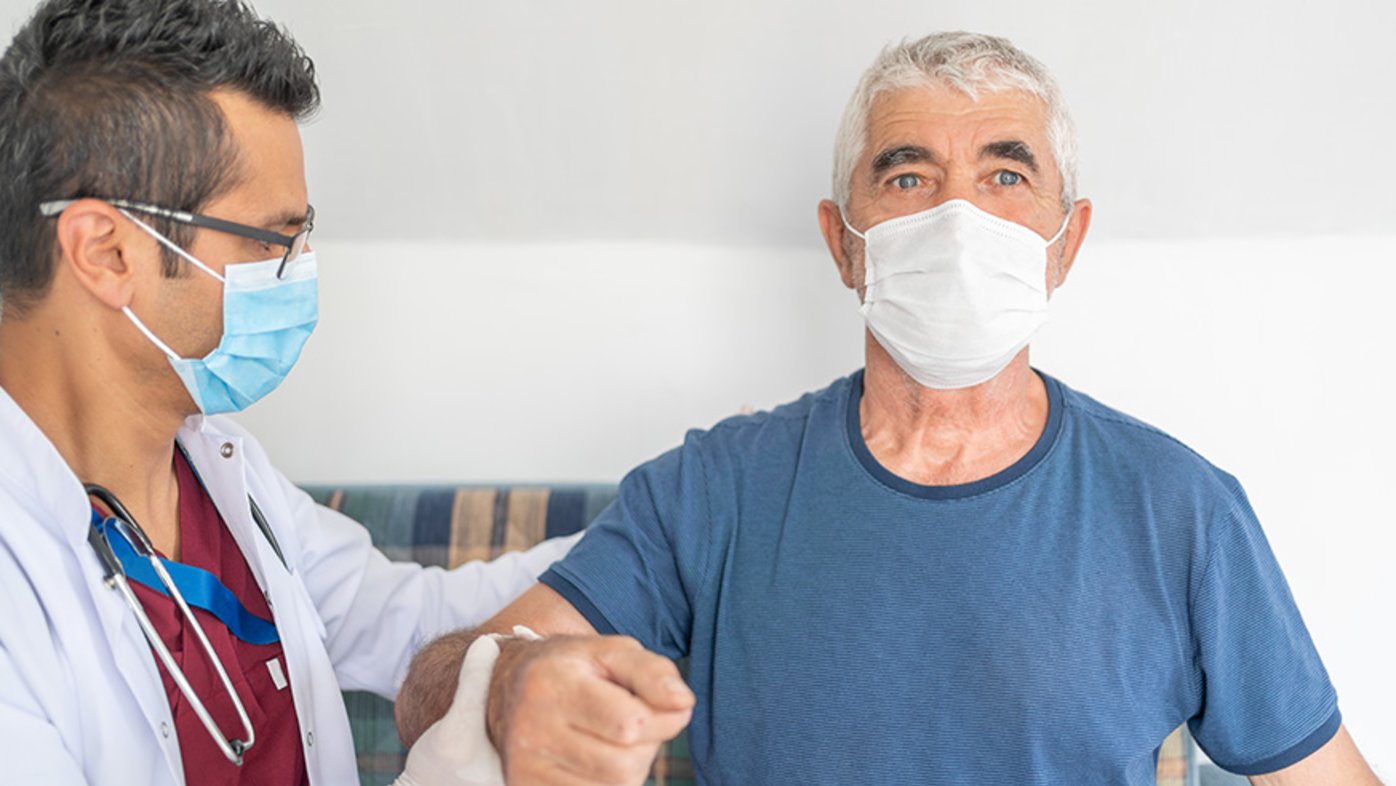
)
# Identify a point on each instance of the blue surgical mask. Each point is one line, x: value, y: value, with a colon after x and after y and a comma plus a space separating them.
x: 266, y: 321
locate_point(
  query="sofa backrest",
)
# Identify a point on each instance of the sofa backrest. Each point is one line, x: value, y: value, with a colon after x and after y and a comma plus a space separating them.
x: 446, y: 526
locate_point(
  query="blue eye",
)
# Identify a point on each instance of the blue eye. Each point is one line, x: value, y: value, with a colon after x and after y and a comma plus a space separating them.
x: 907, y: 181
x: 1007, y: 177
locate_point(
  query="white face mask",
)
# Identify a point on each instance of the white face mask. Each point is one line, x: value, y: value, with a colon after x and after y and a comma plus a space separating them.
x: 954, y: 293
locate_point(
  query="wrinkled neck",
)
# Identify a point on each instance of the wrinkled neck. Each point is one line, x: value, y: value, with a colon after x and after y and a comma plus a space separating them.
x: 945, y: 437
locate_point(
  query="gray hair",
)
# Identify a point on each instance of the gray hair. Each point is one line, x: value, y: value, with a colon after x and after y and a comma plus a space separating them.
x: 969, y: 63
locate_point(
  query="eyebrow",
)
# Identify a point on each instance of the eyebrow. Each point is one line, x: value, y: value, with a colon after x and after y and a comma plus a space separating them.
x: 288, y: 218
x: 894, y: 157
x: 1011, y: 149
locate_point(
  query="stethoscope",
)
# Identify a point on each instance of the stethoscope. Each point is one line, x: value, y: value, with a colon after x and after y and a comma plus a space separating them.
x: 115, y: 577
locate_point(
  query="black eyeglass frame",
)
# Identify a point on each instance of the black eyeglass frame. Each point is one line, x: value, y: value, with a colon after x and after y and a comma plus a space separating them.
x: 294, y: 244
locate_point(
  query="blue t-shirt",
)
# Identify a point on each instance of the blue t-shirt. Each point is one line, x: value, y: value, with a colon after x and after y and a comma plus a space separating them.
x: 1050, y: 624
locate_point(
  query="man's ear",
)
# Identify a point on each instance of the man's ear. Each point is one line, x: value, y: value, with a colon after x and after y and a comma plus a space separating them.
x: 93, y: 246
x: 1075, y: 234
x: 831, y: 226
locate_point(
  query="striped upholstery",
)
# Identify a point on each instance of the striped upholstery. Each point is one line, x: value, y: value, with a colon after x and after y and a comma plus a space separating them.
x: 446, y: 526
x: 449, y: 525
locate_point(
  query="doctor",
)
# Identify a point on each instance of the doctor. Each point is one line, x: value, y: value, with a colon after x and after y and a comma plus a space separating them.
x: 155, y: 271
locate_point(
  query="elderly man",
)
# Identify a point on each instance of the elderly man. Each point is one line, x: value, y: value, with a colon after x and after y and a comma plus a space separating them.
x: 155, y: 271
x: 945, y: 568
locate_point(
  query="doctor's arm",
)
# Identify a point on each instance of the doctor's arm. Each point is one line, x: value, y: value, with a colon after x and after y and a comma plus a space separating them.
x: 1338, y: 762
x: 574, y: 708
x: 377, y: 612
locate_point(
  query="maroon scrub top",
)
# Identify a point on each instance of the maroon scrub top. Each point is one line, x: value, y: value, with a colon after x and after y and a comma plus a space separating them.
x: 258, y: 671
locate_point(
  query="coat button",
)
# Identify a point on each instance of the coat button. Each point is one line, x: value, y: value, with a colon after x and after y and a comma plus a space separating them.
x: 310, y: 738
x: 227, y: 450
x: 164, y: 730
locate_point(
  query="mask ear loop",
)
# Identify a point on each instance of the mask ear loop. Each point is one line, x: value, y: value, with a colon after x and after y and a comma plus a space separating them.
x: 849, y: 226
x: 1062, y: 231
x: 160, y: 345
x: 862, y: 237
x: 167, y: 243
x: 1058, y: 236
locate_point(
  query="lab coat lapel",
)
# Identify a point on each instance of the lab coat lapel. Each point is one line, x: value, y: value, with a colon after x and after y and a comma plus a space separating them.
x: 221, y: 463
x: 218, y: 461
x: 27, y: 456
x: 218, y: 458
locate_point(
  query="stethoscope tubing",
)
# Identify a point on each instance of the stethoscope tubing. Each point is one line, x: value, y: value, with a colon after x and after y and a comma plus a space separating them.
x: 115, y: 577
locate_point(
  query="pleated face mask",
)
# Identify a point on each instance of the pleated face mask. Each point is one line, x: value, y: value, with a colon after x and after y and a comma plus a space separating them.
x: 954, y: 293
x: 266, y: 322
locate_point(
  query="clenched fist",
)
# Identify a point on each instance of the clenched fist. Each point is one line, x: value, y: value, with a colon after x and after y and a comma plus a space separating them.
x: 583, y: 710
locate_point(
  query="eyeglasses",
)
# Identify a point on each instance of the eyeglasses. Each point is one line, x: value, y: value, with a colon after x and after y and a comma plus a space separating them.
x: 294, y: 244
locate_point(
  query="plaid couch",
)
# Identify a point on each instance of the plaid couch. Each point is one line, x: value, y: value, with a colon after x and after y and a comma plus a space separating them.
x: 448, y: 525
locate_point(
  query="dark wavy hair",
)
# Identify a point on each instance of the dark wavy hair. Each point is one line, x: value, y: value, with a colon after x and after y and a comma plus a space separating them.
x: 110, y: 98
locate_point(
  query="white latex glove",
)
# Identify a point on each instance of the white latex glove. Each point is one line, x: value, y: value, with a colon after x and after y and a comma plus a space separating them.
x: 456, y: 750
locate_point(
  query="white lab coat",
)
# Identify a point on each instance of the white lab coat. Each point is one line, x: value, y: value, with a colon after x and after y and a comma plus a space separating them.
x: 81, y: 701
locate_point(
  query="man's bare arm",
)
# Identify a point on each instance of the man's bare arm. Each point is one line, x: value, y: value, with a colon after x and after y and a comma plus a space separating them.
x: 1338, y: 762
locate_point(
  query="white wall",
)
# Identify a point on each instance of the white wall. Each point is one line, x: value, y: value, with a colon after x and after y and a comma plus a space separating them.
x: 557, y: 234
x: 711, y: 122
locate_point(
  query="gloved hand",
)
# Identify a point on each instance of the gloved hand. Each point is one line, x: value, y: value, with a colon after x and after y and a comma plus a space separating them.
x: 456, y: 750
